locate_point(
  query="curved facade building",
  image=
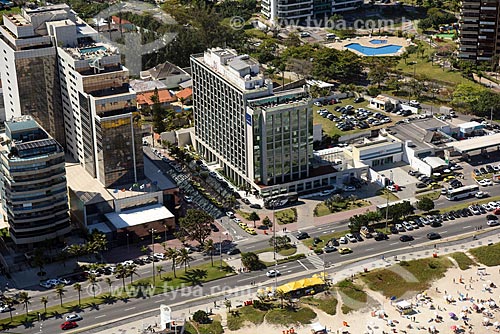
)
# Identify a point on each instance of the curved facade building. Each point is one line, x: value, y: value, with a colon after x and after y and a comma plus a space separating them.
x: 33, y: 182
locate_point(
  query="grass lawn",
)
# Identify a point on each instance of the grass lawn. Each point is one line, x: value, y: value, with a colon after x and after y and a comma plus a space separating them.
x: 353, y: 292
x: 432, y: 195
x: 424, y: 68
x: 329, y: 127
x: 256, y: 33
x: 414, y: 275
x: 322, y: 210
x: 325, y: 238
x: 287, y: 251
x: 384, y: 193
x: 286, y: 216
x: 288, y: 316
x: 487, y: 255
x: 326, y: 304
x: 464, y: 262
x: 13, y: 10
x: 246, y: 314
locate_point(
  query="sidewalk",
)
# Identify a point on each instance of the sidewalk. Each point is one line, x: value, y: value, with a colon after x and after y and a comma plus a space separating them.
x: 337, y: 273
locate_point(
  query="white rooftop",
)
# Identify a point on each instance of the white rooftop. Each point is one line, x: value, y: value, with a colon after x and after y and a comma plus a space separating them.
x: 468, y: 125
x: 435, y: 162
x: 138, y: 216
x: 476, y: 143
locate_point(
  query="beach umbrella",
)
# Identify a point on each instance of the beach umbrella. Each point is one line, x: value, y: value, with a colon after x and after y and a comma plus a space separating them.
x: 465, y: 308
x: 496, y: 324
x: 486, y: 320
x: 452, y: 315
x: 453, y: 328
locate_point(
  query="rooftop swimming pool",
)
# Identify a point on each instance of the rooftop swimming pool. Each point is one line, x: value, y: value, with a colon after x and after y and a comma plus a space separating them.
x: 369, y: 51
x: 92, y: 49
x: 378, y: 41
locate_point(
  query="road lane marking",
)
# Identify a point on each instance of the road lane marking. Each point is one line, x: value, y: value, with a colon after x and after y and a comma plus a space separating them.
x: 129, y: 309
x: 302, y: 265
x: 466, y: 227
x: 369, y: 249
x: 444, y: 231
x: 325, y: 232
x: 100, y: 316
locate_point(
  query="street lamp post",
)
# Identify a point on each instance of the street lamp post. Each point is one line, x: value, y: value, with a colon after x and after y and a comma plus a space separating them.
x: 274, y: 247
x: 153, y: 251
x: 220, y: 247
x: 387, y: 206
x: 165, y: 226
x: 128, y: 246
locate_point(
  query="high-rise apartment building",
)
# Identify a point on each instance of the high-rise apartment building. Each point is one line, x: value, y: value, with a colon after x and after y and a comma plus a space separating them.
x: 33, y: 183
x: 28, y: 68
x: 259, y: 137
x: 479, y: 30
x: 288, y: 12
x: 85, y: 82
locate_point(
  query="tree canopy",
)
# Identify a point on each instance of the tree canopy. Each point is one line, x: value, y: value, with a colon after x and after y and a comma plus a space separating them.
x: 195, y: 226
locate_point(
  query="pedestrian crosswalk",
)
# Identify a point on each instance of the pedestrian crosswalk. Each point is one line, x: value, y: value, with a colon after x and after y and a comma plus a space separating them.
x: 316, y: 261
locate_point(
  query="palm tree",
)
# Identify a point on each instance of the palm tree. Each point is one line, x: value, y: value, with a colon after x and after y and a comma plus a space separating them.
x: 60, y: 292
x: 92, y: 281
x: 209, y: 247
x: 172, y: 254
x: 228, y: 304
x: 281, y: 295
x: 121, y: 271
x: 78, y: 288
x: 9, y: 301
x: 131, y: 271
x: 109, y: 282
x: 159, y: 269
x: 25, y: 298
x: 184, y: 258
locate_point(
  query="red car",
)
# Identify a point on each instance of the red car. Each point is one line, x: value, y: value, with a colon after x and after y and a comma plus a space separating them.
x: 496, y: 211
x: 68, y: 325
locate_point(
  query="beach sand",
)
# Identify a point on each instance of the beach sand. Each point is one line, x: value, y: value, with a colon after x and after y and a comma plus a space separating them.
x: 464, y: 288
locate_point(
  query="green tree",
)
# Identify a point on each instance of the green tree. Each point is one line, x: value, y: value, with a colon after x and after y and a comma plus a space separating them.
x: 267, y: 222
x: 209, y: 248
x: 25, y: 299
x: 184, y: 258
x: 60, y: 292
x: 281, y: 296
x: 280, y: 242
x: 172, y: 254
x: 195, y: 225
x: 378, y: 74
x: 9, y: 301
x: 121, y: 272
x: 227, y: 304
x: 78, y: 288
x: 131, y: 271
x: 44, y: 300
x: 109, y: 282
x: 201, y: 317
x: 250, y: 261
x: 425, y: 204
x: 159, y: 270
x: 92, y: 279
x: 253, y: 217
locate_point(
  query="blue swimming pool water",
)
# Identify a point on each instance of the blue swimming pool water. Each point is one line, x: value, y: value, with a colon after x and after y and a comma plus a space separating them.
x: 378, y: 41
x: 92, y: 49
x: 369, y: 51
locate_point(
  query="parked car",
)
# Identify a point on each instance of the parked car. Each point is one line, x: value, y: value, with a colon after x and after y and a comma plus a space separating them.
x: 255, y: 206
x: 359, y: 99
x: 343, y: 240
x: 481, y: 194
x: 233, y: 251
x: 381, y: 236
x: 351, y: 237
x: 230, y: 214
x: 349, y: 188
x: 188, y: 199
x: 329, y: 249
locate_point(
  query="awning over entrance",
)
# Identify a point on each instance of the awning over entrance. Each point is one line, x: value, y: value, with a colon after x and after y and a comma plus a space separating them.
x: 138, y: 216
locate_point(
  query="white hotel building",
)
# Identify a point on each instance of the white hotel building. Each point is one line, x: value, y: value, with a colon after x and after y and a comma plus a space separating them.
x: 259, y: 137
